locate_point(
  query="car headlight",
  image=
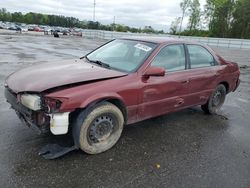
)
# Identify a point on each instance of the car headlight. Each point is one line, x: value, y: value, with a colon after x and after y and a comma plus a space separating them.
x: 53, y: 105
x: 32, y: 102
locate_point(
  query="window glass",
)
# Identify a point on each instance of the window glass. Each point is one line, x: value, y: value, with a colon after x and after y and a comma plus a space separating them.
x: 115, y: 50
x: 124, y: 55
x: 171, y: 57
x: 199, y: 56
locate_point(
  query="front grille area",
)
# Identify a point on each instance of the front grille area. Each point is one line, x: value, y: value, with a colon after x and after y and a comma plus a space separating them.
x: 16, y: 105
x: 31, y: 118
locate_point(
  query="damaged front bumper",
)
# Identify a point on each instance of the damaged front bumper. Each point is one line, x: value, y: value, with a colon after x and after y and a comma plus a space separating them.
x: 59, y: 123
x: 56, y: 123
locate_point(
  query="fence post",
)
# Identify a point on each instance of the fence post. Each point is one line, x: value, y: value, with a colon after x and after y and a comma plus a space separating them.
x: 241, y: 44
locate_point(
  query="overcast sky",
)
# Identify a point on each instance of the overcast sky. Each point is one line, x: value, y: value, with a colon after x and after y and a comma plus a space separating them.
x: 137, y: 13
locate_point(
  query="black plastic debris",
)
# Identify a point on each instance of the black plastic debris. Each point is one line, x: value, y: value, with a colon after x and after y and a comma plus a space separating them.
x: 56, y: 35
x: 53, y: 151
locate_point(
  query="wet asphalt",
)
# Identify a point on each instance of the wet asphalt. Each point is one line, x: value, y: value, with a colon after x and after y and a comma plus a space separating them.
x: 182, y: 149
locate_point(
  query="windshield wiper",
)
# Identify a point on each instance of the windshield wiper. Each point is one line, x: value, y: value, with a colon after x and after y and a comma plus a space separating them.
x: 98, y: 62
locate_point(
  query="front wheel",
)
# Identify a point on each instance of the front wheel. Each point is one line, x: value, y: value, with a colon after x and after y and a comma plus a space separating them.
x: 100, y: 128
x: 215, y: 101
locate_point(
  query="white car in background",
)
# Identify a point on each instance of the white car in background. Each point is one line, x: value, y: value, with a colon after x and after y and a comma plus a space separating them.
x: 22, y: 29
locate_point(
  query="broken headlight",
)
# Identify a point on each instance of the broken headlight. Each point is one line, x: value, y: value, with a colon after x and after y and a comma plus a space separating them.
x: 51, y: 105
x: 32, y: 102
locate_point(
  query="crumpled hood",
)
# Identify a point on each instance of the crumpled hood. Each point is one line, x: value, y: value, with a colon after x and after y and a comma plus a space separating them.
x: 45, y: 76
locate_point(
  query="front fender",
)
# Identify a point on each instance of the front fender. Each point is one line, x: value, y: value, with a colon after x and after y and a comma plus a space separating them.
x: 100, y: 97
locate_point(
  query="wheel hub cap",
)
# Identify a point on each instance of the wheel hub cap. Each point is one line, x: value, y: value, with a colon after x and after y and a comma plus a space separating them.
x: 217, y: 98
x: 101, y: 129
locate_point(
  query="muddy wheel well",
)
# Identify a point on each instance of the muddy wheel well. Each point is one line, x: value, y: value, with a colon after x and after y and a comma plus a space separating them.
x: 226, y: 86
x: 115, y: 102
x: 121, y: 106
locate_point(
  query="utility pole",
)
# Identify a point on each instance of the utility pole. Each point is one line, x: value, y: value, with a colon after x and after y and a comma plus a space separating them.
x: 114, y: 24
x: 94, y: 11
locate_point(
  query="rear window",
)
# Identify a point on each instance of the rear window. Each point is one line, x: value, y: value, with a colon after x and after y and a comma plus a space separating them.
x: 199, y: 56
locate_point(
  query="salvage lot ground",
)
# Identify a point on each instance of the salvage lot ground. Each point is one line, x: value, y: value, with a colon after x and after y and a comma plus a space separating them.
x: 192, y: 149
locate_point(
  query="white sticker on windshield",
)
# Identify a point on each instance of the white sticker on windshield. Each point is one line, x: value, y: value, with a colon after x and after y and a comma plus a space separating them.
x: 143, y: 47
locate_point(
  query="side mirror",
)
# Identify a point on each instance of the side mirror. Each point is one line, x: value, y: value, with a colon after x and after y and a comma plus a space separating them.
x: 154, y: 71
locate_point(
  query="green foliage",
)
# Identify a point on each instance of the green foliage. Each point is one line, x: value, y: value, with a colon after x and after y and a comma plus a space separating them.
x: 241, y: 22
x: 195, y: 15
x: 224, y: 18
x: 4, y: 15
x: 221, y: 13
x: 196, y: 32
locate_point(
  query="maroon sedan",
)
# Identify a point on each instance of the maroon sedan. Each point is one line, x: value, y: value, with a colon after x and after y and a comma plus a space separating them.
x: 122, y: 82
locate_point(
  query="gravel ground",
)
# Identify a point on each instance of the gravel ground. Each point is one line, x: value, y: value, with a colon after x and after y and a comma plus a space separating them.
x: 182, y: 149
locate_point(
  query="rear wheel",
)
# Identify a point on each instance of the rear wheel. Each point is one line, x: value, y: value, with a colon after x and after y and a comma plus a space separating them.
x: 100, y: 128
x: 216, y: 100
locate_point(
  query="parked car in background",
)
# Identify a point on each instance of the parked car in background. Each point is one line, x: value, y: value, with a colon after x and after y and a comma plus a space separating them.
x: 122, y: 82
x: 31, y: 27
x: 37, y: 29
x: 4, y: 26
x: 57, y: 29
x: 48, y: 30
x: 76, y: 32
x: 66, y: 32
x: 42, y: 28
x: 22, y: 29
x: 12, y: 27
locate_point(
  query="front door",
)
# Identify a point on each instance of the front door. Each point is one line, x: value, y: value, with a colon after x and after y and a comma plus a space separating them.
x: 161, y: 94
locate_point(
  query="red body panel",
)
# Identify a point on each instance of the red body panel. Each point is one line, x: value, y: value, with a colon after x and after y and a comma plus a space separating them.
x: 143, y: 97
x: 50, y: 75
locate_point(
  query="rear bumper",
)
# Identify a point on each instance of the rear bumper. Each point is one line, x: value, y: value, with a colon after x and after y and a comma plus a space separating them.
x: 237, y: 84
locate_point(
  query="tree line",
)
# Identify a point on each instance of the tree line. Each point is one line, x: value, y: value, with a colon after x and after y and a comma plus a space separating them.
x: 219, y: 18
x: 70, y: 22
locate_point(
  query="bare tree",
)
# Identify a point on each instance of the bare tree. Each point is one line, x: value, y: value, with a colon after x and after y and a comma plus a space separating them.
x: 174, y: 25
x: 185, y: 4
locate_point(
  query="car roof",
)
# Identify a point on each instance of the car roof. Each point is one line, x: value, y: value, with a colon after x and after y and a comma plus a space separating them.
x: 158, y: 40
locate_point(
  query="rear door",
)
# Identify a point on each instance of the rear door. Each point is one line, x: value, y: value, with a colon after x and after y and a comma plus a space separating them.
x: 161, y: 94
x: 203, y: 74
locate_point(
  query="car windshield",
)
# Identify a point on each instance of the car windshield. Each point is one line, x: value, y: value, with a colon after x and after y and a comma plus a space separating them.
x: 123, y: 55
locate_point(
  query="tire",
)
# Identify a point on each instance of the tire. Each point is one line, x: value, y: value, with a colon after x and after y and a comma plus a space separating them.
x: 216, y: 100
x: 98, y: 128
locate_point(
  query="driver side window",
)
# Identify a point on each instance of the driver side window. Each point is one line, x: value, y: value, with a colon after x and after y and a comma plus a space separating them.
x: 171, y: 57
